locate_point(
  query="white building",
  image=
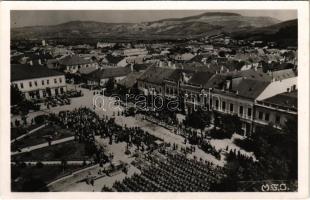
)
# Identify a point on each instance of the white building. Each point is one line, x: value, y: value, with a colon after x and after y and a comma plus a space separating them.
x: 135, y: 52
x: 37, y: 82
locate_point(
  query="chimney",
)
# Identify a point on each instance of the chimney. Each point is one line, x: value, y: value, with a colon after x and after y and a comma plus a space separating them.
x: 228, y: 84
x: 131, y: 67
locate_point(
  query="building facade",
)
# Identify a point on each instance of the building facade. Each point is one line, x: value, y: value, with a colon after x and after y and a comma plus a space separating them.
x: 37, y: 82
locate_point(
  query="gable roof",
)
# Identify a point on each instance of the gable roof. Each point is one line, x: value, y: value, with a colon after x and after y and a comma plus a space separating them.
x: 156, y: 74
x: 114, y: 59
x: 108, y: 73
x: 26, y: 72
x: 130, y: 80
x: 250, y: 88
x: 74, y: 60
x: 250, y: 74
x: 87, y: 70
x: 286, y: 99
x: 283, y: 74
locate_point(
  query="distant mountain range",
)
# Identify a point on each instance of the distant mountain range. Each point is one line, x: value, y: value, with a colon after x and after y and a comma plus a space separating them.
x: 209, y: 23
x: 285, y: 33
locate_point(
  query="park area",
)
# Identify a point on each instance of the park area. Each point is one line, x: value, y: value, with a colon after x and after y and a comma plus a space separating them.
x: 69, y: 151
x: 29, y: 178
x: 46, y: 134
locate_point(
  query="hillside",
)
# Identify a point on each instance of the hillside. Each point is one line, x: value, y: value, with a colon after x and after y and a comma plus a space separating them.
x: 194, y: 26
x: 284, y: 33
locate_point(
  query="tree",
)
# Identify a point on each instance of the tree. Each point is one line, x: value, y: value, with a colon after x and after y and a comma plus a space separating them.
x: 222, y: 53
x: 199, y: 119
x: 110, y: 85
x: 16, y: 95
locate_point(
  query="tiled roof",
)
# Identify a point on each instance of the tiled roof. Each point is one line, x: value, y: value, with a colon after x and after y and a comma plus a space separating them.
x: 87, y: 70
x: 283, y: 74
x: 114, y: 59
x: 216, y: 81
x: 250, y: 88
x: 74, y: 60
x: 108, y: 73
x: 286, y: 99
x: 130, y: 80
x: 156, y: 74
x: 200, y: 78
x: 25, y: 72
x: 250, y: 74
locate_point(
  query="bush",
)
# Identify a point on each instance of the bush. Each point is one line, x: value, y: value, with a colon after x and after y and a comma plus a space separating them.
x: 220, y: 134
x: 246, y: 144
x: 39, y: 165
x: 40, y: 119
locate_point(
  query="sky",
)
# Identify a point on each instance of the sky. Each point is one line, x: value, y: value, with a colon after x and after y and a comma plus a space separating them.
x: 22, y: 18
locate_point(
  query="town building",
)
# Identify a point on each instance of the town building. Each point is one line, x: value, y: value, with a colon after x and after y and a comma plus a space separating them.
x: 71, y: 64
x: 135, y: 52
x: 101, y: 76
x: 36, y: 82
x: 276, y: 110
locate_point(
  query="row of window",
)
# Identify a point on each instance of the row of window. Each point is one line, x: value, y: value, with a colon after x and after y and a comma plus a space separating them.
x: 231, y: 108
x: 42, y: 82
x: 266, y: 116
x: 45, y: 93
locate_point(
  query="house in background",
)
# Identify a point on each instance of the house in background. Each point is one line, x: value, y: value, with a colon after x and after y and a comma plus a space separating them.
x: 101, y: 76
x: 71, y: 64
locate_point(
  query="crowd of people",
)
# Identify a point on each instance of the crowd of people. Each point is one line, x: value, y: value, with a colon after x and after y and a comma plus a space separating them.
x: 86, y: 124
x: 174, y: 173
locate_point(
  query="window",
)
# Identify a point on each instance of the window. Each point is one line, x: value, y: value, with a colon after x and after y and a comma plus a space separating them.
x: 223, y: 105
x: 260, y: 115
x: 42, y: 82
x: 35, y: 83
x: 231, y: 107
x: 21, y: 85
x: 61, y: 90
x: 267, y: 116
x: 55, y: 80
x: 277, y: 119
x: 216, y: 104
x: 60, y: 80
x: 241, y: 110
x: 47, y: 81
x: 249, y: 112
x: 30, y: 84
x: 44, y: 93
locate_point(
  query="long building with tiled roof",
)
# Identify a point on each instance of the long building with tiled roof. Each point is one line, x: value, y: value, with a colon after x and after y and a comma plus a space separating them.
x: 37, y: 82
x: 73, y: 63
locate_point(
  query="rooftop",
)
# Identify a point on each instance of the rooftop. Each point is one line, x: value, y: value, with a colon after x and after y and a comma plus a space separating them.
x: 130, y: 80
x: 74, y: 60
x: 286, y: 99
x: 109, y: 73
x: 26, y: 72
